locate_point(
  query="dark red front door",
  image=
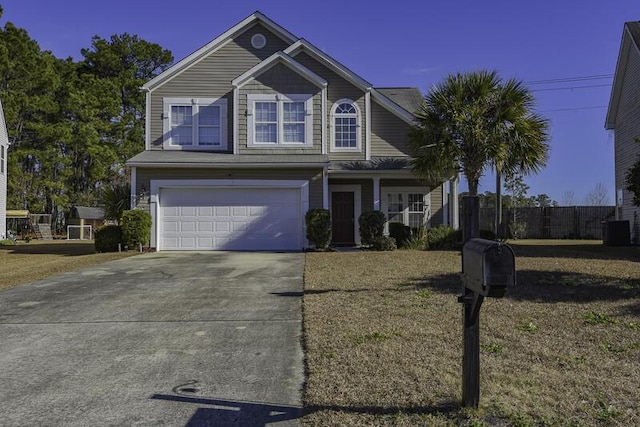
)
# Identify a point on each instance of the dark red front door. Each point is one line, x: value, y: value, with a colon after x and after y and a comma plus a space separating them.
x: 342, y: 219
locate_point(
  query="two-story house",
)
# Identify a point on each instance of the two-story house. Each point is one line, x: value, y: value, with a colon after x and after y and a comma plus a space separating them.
x: 623, y: 117
x: 249, y: 132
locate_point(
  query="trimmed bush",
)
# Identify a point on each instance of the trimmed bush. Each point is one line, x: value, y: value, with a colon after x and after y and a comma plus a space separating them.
x: 318, y: 223
x: 384, y: 243
x: 136, y: 228
x: 400, y: 232
x: 107, y: 238
x: 7, y: 242
x: 443, y: 237
x: 371, y: 227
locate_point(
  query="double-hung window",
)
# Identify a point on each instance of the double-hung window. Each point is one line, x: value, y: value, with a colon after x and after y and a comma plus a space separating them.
x: 345, y: 126
x: 279, y: 120
x: 407, y: 205
x: 195, y: 123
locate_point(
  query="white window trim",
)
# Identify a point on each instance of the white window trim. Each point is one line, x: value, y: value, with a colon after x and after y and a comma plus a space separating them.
x: 280, y: 99
x: 194, y: 102
x: 405, y: 191
x: 358, y: 147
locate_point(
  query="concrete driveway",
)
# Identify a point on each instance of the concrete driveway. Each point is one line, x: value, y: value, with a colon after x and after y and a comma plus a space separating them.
x: 158, y: 339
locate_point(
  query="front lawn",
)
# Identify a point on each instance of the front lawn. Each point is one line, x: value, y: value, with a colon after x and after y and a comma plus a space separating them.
x: 28, y: 262
x: 383, y: 336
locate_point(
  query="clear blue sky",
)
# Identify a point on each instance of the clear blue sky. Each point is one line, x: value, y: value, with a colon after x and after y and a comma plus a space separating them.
x: 404, y: 43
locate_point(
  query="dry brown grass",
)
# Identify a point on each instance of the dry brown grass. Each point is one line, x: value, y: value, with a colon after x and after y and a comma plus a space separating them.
x: 383, y: 334
x: 28, y: 262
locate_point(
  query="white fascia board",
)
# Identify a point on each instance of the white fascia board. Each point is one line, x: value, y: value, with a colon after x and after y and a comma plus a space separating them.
x: 618, y: 77
x: 404, y: 174
x: 226, y: 165
x: 273, y: 60
x: 392, y: 107
x: 216, y: 44
x: 319, y: 55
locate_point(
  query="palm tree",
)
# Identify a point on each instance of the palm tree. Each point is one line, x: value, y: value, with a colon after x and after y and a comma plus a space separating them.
x: 474, y: 121
x: 115, y: 199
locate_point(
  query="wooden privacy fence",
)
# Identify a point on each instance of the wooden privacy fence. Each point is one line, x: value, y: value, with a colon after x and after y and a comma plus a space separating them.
x: 561, y: 222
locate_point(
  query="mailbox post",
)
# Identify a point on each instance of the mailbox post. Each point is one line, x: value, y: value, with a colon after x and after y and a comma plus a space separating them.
x: 488, y: 269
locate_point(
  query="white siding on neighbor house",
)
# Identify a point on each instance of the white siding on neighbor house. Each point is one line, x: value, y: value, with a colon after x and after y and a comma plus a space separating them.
x: 4, y: 144
x: 627, y: 128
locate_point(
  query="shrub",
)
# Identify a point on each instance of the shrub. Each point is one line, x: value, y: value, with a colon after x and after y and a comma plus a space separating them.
x: 318, y: 223
x: 400, y: 232
x: 371, y: 226
x: 107, y: 238
x: 384, y: 243
x: 418, y: 240
x: 443, y: 237
x: 136, y: 228
x: 7, y: 242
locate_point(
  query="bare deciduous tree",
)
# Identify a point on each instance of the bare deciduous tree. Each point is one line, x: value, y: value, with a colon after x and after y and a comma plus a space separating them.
x: 568, y: 198
x: 599, y: 196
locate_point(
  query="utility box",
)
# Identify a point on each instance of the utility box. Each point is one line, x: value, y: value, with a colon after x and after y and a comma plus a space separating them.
x: 616, y: 233
x: 488, y: 267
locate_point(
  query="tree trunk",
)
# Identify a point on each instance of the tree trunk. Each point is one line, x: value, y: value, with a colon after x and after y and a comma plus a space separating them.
x: 498, y: 223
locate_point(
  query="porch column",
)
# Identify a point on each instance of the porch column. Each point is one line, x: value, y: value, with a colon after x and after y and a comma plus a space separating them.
x: 376, y: 194
x: 325, y: 188
x: 453, y: 203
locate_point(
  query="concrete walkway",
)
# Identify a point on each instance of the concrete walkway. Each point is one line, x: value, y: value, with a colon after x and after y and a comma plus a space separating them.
x: 198, y: 339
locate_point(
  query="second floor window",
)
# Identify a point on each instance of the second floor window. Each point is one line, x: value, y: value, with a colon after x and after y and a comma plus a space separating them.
x: 195, y: 123
x: 279, y: 120
x: 345, y: 121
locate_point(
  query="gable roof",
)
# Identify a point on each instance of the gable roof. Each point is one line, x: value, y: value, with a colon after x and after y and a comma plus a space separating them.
x: 408, y: 98
x: 216, y: 43
x: 630, y: 42
x: 273, y: 60
x: 297, y: 45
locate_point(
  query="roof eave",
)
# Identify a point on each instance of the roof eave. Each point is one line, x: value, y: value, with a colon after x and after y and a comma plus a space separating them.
x: 341, y: 70
x: 626, y: 44
x: 229, y: 165
x: 279, y: 58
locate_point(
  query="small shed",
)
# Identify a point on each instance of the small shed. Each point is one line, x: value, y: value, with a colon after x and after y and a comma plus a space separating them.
x: 81, y: 217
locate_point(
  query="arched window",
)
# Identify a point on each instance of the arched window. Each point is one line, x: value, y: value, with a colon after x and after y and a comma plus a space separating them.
x: 345, y: 120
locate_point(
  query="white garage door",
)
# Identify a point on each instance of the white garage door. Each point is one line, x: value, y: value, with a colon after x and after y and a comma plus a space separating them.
x: 230, y: 219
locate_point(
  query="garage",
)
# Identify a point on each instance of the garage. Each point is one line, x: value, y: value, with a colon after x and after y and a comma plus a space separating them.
x: 230, y: 218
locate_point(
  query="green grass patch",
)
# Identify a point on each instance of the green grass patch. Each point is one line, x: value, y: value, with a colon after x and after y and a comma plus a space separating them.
x: 593, y: 318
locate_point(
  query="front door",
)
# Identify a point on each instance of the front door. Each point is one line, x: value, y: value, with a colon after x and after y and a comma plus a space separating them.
x: 342, y: 217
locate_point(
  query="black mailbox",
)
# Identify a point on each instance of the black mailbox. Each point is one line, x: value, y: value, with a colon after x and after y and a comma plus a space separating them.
x: 488, y: 267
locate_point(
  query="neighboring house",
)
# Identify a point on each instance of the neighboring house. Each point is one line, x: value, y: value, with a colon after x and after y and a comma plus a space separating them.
x: 623, y: 117
x: 80, y: 218
x: 255, y: 128
x: 4, y: 146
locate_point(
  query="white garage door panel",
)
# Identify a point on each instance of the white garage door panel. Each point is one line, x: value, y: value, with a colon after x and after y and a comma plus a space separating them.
x: 230, y: 218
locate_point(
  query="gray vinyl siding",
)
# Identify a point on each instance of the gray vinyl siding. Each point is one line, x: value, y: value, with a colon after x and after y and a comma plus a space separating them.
x: 212, y: 76
x: 388, y: 133
x: 627, y: 128
x: 337, y: 89
x: 280, y: 79
x: 366, y: 191
x: 314, y: 176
